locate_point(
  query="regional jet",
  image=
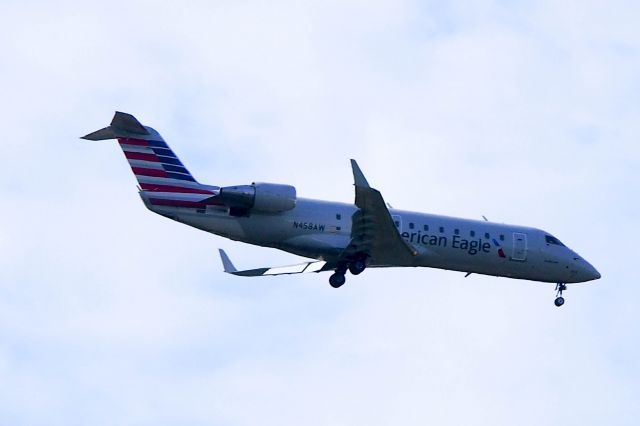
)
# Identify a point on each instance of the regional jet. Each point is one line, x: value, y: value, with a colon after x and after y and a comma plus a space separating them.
x: 339, y: 237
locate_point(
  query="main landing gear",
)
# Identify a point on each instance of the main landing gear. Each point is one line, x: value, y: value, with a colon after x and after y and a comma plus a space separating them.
x: 560, y: 287
x: 337, y: 279
x: 356, y: 267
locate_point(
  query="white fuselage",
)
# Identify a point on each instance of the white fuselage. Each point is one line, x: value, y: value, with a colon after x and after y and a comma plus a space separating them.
x: 343, y: 237
x: 322, y: 229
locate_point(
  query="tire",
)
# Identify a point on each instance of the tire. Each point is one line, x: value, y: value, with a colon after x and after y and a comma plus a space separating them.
x: 559, y: 301
x: 357, y: 267
x: 337, y: 280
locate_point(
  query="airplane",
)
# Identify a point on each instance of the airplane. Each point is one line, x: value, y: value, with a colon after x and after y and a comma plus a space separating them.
x: 340, y: 237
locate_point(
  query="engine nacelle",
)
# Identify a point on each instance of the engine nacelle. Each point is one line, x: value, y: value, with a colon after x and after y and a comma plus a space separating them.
x: 275, y: 198
x: 262, y: 197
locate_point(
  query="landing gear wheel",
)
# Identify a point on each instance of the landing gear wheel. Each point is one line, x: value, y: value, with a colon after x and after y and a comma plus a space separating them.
x: 357, y: 267
x: 560, y: 287
x: 336, y: 280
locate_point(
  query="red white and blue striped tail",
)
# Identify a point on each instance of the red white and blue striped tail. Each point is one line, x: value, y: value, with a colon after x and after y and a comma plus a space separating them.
x: 156, y: 167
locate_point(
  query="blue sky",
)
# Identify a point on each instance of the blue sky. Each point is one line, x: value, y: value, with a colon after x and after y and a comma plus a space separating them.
x: 526, y: 112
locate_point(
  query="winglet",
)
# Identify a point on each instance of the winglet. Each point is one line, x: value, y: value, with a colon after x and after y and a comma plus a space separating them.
x: 358, y: 176
x: 226, y: 262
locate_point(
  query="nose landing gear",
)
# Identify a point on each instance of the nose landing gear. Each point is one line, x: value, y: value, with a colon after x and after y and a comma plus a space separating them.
x: 560, y: 287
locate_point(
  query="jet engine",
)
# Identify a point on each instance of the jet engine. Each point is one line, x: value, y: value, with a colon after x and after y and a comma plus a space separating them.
x: 261, y: 197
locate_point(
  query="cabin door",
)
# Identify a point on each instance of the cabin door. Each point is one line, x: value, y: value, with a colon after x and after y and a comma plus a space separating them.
x: 519, y: 246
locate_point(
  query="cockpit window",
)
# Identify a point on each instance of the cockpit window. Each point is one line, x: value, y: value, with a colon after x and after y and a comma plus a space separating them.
x: 553, y: 240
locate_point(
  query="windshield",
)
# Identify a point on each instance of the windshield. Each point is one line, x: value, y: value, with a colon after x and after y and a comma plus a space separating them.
x: 553, y: 240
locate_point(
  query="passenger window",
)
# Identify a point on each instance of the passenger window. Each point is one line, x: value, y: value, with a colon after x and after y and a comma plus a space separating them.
x: 456, y: 231
x: 442, y: 229
x: 501, y: 237
x: 397, y: 223
x: 338, y: 216
x: 411, y: 225
x: 426, y: 228
x: 472, y: 233
x: 486, y: 235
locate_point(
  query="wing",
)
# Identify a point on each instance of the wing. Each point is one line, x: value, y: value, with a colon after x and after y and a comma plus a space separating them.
x: 315, y: 266
x: 373, y: 232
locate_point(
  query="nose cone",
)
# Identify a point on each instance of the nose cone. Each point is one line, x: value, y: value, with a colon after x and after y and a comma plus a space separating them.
x: 582, y: 271
x: 589, y: 273
x: 595, y: 275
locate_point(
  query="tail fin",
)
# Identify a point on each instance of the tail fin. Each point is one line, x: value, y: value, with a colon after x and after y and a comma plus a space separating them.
x: 154, y: 164
x: 163, y: 179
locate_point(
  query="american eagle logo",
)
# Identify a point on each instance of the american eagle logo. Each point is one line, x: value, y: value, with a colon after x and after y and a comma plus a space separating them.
x: 500, y: 251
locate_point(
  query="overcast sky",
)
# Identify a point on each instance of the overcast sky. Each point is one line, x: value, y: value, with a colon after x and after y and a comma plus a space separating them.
x: 525, y: 112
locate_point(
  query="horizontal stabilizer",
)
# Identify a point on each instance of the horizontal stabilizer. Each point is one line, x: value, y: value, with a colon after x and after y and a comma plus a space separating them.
x: 128, y: 123
x: 123, y: 125
x: 302, y: 268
